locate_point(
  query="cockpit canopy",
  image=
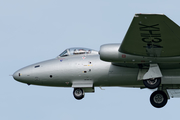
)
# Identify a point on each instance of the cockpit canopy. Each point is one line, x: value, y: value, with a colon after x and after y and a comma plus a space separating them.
x: 77, y: 51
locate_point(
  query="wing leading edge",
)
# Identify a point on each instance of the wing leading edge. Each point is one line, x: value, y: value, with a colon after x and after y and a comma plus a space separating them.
x: 153, y: 35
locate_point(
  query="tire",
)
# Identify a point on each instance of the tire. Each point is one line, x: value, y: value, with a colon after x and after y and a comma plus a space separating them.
x: 78, y: 93
x: 158, y: 99
x: 152, y: 84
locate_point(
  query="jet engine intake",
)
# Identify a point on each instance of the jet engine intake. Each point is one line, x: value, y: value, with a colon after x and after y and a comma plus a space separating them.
x: 109, y: 52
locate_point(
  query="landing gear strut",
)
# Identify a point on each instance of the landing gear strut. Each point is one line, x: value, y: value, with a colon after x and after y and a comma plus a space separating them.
x: 158, y: 99
x: 78, y: 93
x: 152, y: 83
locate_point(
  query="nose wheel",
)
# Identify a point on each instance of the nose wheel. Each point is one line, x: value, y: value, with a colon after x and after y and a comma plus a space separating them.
x: 78, y: 93
x: 158, y: 99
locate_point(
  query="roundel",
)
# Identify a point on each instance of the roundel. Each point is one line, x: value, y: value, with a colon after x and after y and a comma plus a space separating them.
x: 123, y: 56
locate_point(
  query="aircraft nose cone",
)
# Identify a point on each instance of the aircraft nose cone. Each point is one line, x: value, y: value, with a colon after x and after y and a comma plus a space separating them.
x: 16, y: 75
x: 23, y: 74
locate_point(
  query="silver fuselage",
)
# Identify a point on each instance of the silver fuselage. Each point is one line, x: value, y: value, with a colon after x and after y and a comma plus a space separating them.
x: 64, y: 71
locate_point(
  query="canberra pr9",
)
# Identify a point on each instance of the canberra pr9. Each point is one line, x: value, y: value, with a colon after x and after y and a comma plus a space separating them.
x: 149, y: 57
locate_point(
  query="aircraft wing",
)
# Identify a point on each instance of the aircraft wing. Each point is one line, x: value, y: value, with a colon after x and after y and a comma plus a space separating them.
x: 153, y: 35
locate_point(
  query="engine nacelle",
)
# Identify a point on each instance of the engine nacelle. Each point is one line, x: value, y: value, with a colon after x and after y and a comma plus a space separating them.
x: 109, y: 52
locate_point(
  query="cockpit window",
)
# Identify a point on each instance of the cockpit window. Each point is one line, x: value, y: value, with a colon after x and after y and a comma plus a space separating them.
x: 63, y: 54
x: 77, y: 51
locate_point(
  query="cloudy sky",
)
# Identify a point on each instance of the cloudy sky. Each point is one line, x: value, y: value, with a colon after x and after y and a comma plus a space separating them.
x: 36, y: 30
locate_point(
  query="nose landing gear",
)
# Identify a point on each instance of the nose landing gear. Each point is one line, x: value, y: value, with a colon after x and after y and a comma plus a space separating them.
x: 78, y: 93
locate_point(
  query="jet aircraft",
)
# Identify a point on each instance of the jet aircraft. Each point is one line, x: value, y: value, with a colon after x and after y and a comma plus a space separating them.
x: 148, y: 57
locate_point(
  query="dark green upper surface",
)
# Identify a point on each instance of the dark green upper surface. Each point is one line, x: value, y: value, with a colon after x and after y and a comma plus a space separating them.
x: 152, y: 35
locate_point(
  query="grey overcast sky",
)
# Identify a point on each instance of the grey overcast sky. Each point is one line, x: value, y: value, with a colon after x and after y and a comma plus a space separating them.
x: 36, y: 30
